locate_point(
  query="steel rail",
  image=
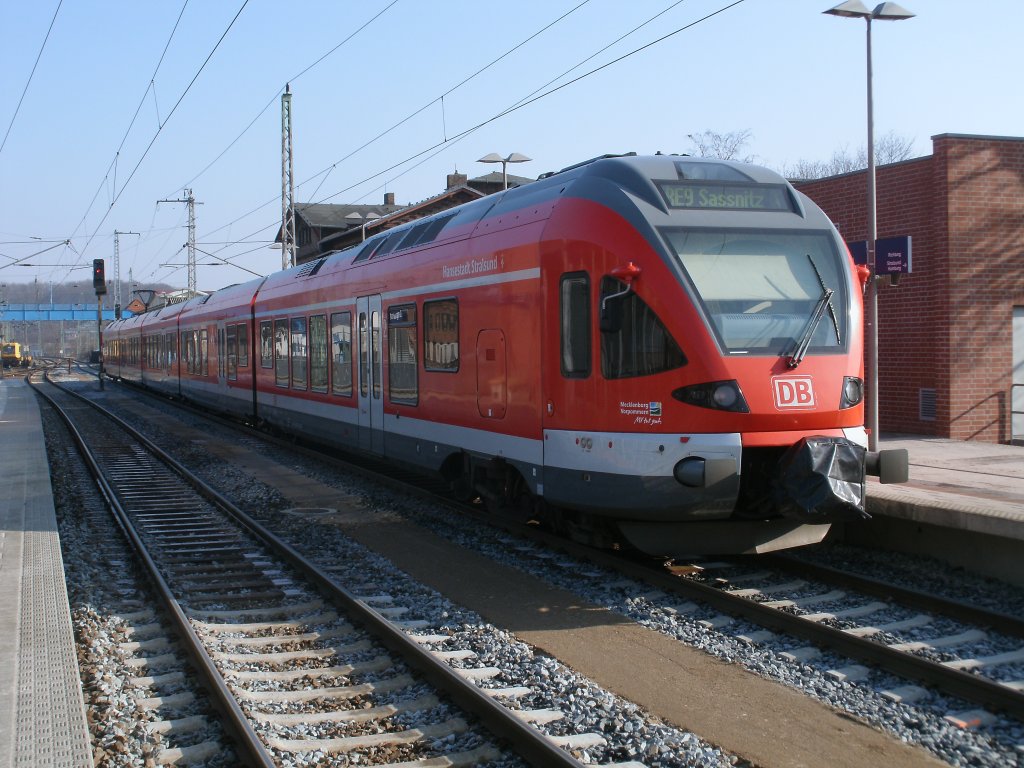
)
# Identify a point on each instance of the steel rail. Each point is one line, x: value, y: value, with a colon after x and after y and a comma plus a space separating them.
x: 980, y: 690
x: 249, y: 744
x: 969, y: 686
x: 954, y: 609
x: 527, y: 741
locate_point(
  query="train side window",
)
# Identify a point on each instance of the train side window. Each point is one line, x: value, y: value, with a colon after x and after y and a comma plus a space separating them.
x: 318, y: 353
x: 639, y: 345
x: 231, y: 340
x: 266, y: 344
x: 281, y: 353
x: 341, y: 354
x: 575, y: 320
x: 243, y: 345
x: 171, y: 356
x: 221, y: 353
x: 204, y: 352
x: 299, y: 352
x: 364, y: 341
x: 441, y: 335
x: 402, y: 384
x: 375, y: 347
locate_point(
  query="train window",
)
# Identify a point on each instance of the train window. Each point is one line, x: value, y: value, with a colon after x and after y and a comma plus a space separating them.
x: 759, y: 289
x: 266, y: 344
x: 364, y: 345
x: 441, y: 335
x: 375, y: 348
x: 341, y: 353
x: 204, y: 352
x: 575, y: 319
x: 243, y: 345
x: 434, y: 229
x: 221, y: 354
x: 365, y: 251
x: 402, y: 385
x: 413, y: 235
x: 299, y: 352
x: 389, y: 245
x: 281, y: 353
x: 640, y: 345
x: 231, y: 341
x: 318, y: 353
x: 170, y: 349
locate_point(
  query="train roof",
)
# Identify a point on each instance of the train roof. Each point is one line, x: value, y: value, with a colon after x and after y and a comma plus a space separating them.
x: 602, y: 178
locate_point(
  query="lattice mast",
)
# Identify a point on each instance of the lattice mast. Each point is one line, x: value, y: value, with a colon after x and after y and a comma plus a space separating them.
x: 117, y: 266
x: 191, y: 200
x: 287, y: 182
x: 190, y: 245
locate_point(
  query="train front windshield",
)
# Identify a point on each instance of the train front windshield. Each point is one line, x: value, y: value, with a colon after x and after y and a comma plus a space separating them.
x: 761, y: 290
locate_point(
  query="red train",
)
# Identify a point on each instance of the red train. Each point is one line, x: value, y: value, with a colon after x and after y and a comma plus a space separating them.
x: 665, y: 350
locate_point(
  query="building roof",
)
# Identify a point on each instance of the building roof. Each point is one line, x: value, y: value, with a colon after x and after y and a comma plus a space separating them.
x: 448, y: 199
x: 495, y: 177
x: 343, y: 225
x: 341, y: 216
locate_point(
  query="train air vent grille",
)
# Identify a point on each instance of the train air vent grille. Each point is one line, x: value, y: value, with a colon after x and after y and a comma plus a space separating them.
x: 926, y: 404
x: 310, y: 268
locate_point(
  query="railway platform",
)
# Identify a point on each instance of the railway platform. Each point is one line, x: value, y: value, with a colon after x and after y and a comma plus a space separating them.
x: 964, y: 502
x: 42, y: 715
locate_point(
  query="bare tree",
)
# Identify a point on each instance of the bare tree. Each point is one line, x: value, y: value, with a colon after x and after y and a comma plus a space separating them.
x: 724, y: 146
x: 890, y: 148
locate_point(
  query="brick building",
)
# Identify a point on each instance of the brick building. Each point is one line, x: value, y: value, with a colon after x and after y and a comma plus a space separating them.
x: 951, y: 335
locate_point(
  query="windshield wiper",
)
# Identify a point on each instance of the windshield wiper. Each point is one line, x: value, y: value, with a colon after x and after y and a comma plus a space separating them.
x: 831, y: 309
x: 812, y: 325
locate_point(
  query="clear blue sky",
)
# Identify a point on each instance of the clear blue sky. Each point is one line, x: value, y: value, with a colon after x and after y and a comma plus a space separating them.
x: 793, y: 77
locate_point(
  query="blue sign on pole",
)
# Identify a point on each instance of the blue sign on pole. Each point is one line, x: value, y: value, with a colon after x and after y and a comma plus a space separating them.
x: 858, y: 250
x: 892, y: 256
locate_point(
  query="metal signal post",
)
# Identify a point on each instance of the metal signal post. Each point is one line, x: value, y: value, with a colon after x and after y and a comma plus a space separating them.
x: 99, y: 284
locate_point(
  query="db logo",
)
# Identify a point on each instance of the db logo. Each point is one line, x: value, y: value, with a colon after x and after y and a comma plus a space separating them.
x: 793, y: 392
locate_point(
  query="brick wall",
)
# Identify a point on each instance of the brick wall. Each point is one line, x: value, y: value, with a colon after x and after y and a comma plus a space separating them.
x: 948, y: 326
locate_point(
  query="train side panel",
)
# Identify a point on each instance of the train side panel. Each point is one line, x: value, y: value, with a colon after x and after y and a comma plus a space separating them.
x: 216, y: 368
x: 161, y: 340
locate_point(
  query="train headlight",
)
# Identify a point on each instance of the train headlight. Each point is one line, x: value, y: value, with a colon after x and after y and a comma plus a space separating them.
x: 853, y: 392
x: 718, y: 395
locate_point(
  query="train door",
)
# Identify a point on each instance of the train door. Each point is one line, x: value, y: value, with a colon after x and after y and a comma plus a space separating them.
x: 221, y: 358
x: 491, y: 374
x: 571, y: 385
x: 368, y: 353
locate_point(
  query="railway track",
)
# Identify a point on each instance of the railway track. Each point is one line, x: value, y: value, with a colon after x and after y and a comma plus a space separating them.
x: 776, y: 611
x: 297, y: 664
x: 863, y: 619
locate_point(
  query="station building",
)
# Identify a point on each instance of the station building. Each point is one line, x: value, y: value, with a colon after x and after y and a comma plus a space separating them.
x: 951, y: 334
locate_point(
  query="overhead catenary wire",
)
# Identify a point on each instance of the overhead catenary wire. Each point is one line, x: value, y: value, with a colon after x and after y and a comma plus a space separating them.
x: 276, y: 96
x: 452, y: 138
x: 17, y: 109
x: 327, y: 170
x: 503, y: 113
x: 111, y: 168
x: 149, y: 147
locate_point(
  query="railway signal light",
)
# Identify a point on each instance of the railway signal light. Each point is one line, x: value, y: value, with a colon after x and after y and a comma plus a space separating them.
x: 99, y: 282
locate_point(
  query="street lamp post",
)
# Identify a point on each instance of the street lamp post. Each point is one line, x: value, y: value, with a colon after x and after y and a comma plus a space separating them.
x: 884, y: 12
x: 494, y: 157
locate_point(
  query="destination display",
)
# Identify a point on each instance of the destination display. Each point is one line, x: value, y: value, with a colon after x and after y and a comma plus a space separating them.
x: 735, y: 197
